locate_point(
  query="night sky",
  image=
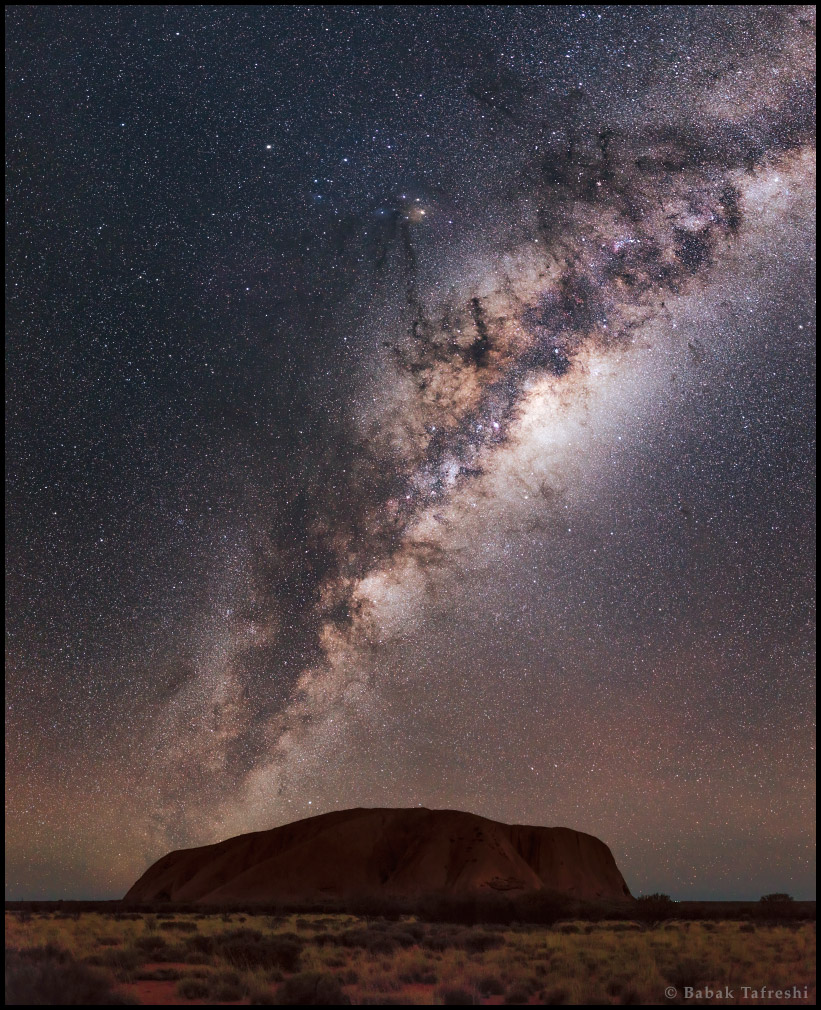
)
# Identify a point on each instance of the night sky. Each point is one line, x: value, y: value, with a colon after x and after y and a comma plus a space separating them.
x: 411, y: 405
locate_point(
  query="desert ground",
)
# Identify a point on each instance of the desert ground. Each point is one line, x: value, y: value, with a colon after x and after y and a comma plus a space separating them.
x: 198, y: 958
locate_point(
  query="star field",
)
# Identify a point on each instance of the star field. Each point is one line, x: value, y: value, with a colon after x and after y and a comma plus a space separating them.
x: 411, y: 405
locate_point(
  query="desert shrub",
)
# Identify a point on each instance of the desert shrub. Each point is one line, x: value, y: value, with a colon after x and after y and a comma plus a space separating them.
x: 568, y: 927
x: 248, y: 948
x: 173, y: 953
x: 517, y: 994
x: 120, y: 959
x: 557, y: 996
x: 49, y: 976
x: 490, y: 985
x: 226, y: 987
x: 594, y: 997
x: 180, y: 925
x: 312, y: 989
x: 404, y: 937
x: 193, y: 988
x: 478, y: 941
x: 50, y: 952
x: 446, y: 937
x: 262, y: 997
x: 778, y: 906
x: 107, y: 941
x: 417, y: 974
x: 543, y: 907
x: 689, y: 971
x: 438, y: 941
x: 747, y: 927
x: 374, y: 940
x: 655, y: 907
x: 414, y: 929
x: 268, y: 952
x: 226, y: 978
x: 385, y: 983
x: 205, y: 943
x: 455, y: 995
x: 150, y: 944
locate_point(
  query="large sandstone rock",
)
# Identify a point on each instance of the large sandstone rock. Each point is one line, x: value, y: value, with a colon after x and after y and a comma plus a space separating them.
x: 387, y: 853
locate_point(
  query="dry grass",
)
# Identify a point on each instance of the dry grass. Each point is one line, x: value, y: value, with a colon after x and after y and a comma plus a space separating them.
x: 321, y: 959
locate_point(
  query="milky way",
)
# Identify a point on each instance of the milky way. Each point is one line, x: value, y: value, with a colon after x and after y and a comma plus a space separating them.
x: 432, y: 432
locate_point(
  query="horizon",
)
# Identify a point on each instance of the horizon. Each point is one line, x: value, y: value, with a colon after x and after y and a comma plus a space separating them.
x: 635, y: 893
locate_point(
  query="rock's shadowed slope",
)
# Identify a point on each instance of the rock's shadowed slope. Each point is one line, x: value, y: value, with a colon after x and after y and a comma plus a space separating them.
x: 386, y: 853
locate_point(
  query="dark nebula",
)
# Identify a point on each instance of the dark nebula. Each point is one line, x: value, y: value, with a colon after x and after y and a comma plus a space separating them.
x: 411, y: 405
